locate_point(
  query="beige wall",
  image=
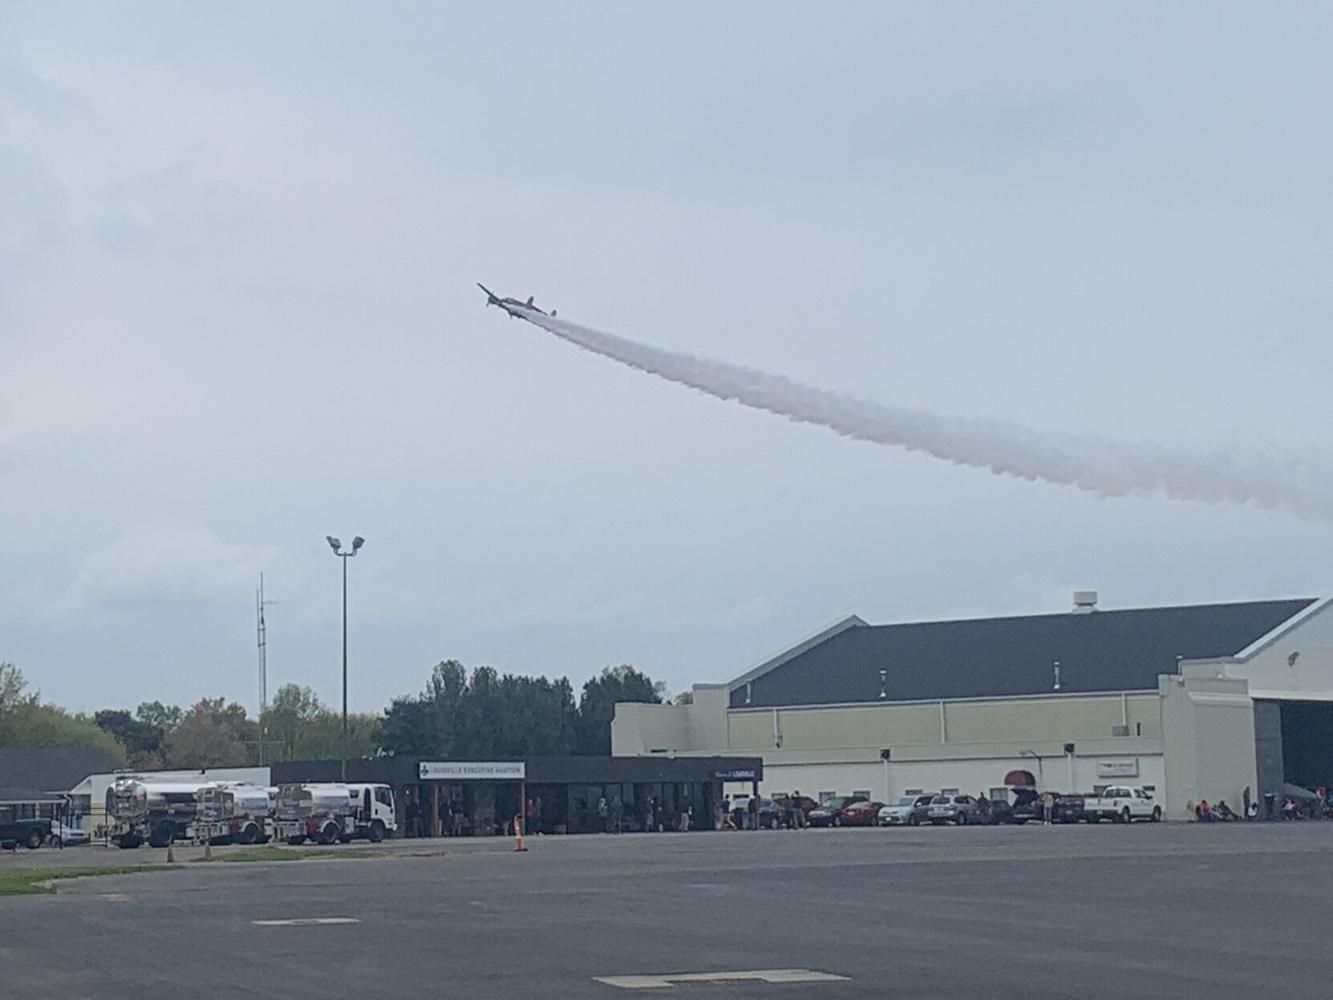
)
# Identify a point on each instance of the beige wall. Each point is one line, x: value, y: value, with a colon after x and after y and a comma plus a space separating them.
x: 1208, y: 741
x: 1060, y: 718
x: 1274, y: 672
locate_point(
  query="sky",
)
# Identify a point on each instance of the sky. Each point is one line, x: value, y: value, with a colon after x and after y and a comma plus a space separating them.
x: 238, y: 247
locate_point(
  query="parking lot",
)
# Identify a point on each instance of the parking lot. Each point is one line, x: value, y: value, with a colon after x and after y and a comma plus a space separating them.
x: 1089, y: 912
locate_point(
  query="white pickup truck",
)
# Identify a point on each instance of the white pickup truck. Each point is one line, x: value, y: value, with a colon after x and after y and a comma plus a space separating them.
x: 1121, y: 804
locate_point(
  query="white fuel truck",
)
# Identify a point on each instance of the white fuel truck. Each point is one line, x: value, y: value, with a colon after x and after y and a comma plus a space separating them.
x: 329, y: 812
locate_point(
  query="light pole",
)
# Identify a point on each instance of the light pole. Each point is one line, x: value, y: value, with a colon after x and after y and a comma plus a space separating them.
x: 337, y: 546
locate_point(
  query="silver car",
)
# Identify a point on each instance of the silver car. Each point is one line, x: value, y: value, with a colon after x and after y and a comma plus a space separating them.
x: 909, y: 810
x: 958, y: 809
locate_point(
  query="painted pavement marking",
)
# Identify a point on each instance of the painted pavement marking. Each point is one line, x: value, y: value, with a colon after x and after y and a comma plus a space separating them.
x: 305, y: 922
x: 777, y: 976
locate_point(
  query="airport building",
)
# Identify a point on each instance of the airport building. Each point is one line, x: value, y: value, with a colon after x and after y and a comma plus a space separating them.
x: 1197, y: 702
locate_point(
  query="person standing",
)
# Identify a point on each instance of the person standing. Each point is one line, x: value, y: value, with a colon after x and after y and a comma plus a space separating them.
x: 602, y: 813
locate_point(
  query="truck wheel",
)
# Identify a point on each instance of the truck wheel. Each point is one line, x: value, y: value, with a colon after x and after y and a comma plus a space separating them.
x: 1124, y: 816
x: 1157, y: 814
x: 162, y: 835
x: 296, y: 840
x: 914, y: 820
x: 329, y: 835
x: 1093, y: 818
x: 34, y: 840
x: 249, y: 835
x: 376, y: 833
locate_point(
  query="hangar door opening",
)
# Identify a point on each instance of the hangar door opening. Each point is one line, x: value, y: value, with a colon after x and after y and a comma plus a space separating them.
x: 1307, y: 743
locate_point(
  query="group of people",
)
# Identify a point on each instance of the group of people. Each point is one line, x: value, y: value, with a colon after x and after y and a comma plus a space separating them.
x: 1317, y: 806
x: 787, y: 813
x: 654, y: 817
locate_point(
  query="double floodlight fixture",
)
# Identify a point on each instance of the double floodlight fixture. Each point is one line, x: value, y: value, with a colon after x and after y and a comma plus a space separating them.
x: 336, y: 544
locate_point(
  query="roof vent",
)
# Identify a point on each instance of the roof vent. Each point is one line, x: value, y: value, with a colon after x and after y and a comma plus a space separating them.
x: 1085, y: 602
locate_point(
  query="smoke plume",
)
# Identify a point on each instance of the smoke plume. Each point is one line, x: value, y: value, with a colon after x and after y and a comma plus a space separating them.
x: 1105, y: 468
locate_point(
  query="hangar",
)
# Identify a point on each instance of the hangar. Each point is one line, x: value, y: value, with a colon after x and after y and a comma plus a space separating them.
x: 1197, y: 702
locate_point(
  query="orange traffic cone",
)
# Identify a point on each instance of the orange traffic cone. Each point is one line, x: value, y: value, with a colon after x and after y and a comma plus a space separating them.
x: 518, y: 834
x: 171, y: 854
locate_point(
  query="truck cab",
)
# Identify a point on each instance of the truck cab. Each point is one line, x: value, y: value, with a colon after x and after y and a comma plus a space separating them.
x: 375, y: 815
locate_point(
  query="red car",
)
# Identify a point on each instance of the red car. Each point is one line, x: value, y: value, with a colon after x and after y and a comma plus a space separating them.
x: 861, y: 814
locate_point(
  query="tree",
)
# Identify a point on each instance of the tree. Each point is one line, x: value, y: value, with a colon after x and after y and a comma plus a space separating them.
x: 11, y: 687
x: 303, y: 728
x: 482, y: 715
x: 211, y: 734
x: 597, y: 706
x: 26, y: 722
x: 159, y: 716
x: 142, y: 741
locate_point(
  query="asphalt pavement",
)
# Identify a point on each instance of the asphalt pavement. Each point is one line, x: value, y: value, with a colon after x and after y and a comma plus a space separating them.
x: 1048, y: 912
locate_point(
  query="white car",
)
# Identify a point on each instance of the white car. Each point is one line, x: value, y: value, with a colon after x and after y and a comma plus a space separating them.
x: 1121, y: 804
x: 909, y: 810
x: 69, y: 834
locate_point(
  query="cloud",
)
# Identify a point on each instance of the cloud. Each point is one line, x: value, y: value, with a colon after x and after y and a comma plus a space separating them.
x: 166, y: 562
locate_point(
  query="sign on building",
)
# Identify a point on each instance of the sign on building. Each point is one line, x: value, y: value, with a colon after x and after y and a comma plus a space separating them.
x: 473, y: 770
x: 1118, y: 768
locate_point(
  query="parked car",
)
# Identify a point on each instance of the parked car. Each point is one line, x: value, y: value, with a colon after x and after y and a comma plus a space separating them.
x: 68, y: 834
x: 957, y: 809
x: 777, y: 811
x: 1028, y: 805
x: 1121, y: 804
x: 909, y: 810
x: 861, y: 813
x: 31, y: 833
x: 830, y: 811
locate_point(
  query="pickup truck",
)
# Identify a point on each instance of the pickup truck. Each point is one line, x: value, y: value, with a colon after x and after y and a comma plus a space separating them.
x: 1121, y: 804
x: 31, y: 833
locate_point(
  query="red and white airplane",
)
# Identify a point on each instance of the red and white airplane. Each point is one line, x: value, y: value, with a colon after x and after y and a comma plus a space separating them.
x: 514, y: 307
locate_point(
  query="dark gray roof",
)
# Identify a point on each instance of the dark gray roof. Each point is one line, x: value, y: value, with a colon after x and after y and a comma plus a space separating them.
x: 52, y: 769
x: 997, y: 657
x: 12, y: 796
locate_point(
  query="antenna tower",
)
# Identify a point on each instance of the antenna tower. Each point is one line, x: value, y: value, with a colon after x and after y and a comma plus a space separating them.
x: 261, y: 634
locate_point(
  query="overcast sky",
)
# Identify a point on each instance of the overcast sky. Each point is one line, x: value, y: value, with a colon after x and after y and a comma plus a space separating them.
x: 237, y: 313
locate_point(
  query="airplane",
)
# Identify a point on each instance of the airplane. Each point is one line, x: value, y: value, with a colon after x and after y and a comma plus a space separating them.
x: 512, y: 306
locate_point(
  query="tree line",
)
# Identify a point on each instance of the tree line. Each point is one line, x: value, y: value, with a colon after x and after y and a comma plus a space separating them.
x: 460, y: 714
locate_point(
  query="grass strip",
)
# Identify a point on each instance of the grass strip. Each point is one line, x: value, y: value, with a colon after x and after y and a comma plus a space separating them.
x: 33, y: 881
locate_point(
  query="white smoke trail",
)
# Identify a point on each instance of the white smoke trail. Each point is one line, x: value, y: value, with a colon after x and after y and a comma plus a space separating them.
x: 1105, y: 468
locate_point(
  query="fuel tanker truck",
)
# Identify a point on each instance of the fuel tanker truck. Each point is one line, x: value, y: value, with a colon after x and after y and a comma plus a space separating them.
x: 139, y: 810
x: 159, y: 812
x: 333, y: 812
x: 235, y: 814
